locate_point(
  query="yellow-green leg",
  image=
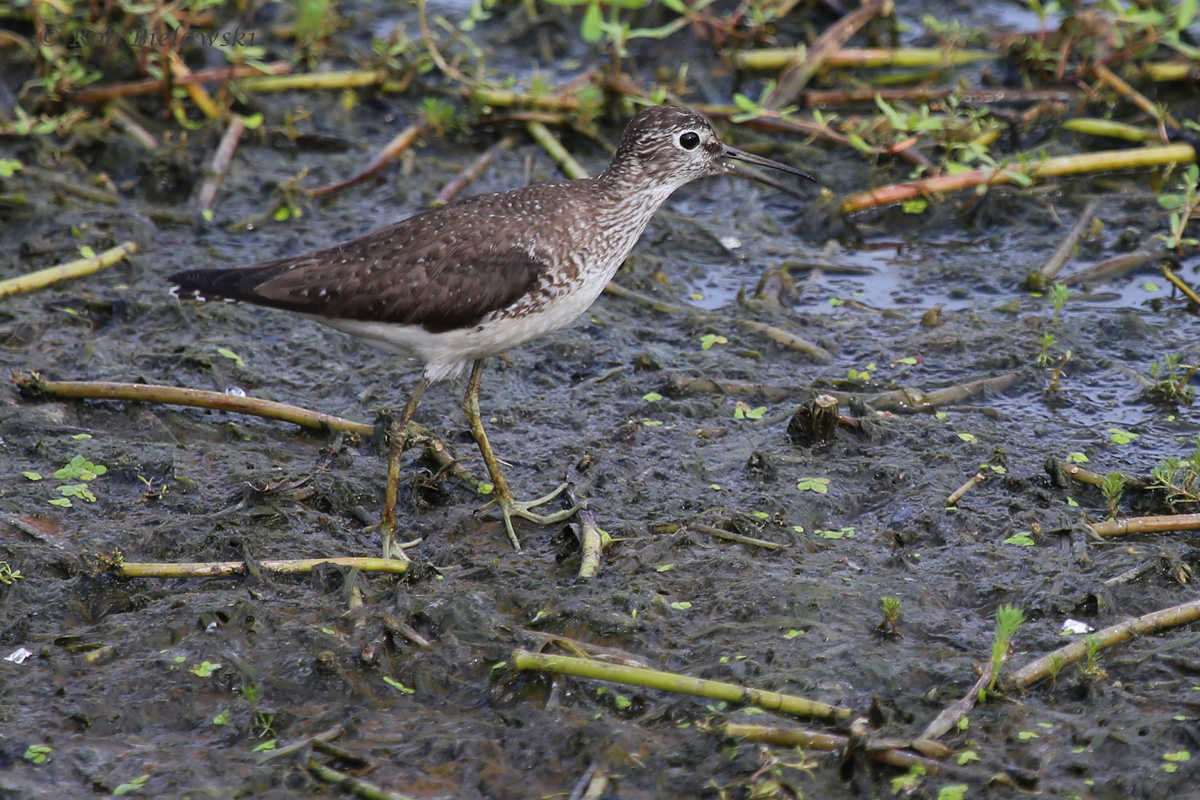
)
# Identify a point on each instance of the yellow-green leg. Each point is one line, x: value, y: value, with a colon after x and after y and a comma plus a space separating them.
x: 397, y: 444
x: 503, y: 496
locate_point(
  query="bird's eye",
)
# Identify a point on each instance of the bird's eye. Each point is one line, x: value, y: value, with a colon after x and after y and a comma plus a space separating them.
x: 689, y: 140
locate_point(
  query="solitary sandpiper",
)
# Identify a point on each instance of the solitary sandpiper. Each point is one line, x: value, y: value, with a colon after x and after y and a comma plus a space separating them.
x: 471, y: 279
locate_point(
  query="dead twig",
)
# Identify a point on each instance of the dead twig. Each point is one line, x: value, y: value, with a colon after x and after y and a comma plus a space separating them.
x: 399, y: 143
x: 151, y: 85
x: 1038, y: 281
x: 958, y: 493
x: 1049, y: 664
x: 798, y: 73
x: 220, y: 165
x: 464, y: 179
x: 208, y: 569
x: 72, y: 269
x: 1163, y: 524
x: 197, y: 398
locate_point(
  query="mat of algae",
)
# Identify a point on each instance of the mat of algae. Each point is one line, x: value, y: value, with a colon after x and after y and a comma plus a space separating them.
x: 183, y: 681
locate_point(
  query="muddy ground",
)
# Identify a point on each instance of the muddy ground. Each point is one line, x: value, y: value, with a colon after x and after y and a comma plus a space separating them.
x: 181, y: 680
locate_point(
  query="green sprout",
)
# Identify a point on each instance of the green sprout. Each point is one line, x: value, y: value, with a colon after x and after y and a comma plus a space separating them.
x: 1055, y: 666
x: 1091, y: 654
x: 1058, y: 297
x: 1112, y: 487
x: 1171, y: 378
x: 1009, y: 619
x: 890, y: 606
x: 1048, y: 340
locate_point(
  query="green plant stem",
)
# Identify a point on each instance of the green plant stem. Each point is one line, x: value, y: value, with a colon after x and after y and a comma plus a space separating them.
x: 680, y: 684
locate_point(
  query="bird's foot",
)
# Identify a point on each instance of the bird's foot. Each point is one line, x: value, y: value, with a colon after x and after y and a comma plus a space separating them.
x: 516, y: 508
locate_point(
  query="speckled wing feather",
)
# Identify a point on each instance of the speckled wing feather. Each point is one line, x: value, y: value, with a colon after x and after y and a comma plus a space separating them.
x: 427, y: 270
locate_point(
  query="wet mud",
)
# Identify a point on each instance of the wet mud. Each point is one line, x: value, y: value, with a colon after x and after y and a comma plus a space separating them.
x: 184, y: 680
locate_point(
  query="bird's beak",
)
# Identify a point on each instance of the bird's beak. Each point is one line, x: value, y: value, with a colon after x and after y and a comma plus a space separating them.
x: 733, y: 154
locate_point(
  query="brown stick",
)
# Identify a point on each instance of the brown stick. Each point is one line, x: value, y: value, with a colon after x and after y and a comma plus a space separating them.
x: 220, y: 165
x: 818, y: 740
x: 950, y: 716
x: 1041, y: 279
x: 399, y: 143
x: 1116, y: 266
x: 222, y: 568
x: 174, y: 395
x: 152, y: 85
x: 797, y: 75
x: 1115, y: 634
x: 1047, y: 168
x: 1121, y: 527
x: 464, y: 179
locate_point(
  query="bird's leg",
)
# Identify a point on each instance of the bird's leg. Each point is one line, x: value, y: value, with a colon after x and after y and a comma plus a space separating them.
x: 508, y: 506
x: 398, y: 443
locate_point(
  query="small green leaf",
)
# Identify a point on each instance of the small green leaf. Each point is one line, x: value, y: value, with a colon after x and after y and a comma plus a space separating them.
x: 1076, y: 458
x: 914, y: 205
x: 1071, y: 502
x: 265, y: 747
x: 592, y: 28
x: 836, y: 301
x: 282, y: 213
x: 967, y: 756
x: 709, y: 339
x: 86, y: 251
x: 652, y: 423
x: 8, y: 166
x: 793, y: 633
x: 664, y: 568
x: 222, y: 718
x: 622, y: 701
x: 65, y: 502
x: 652, y: 397
x: 208, y: 215
x: 798, y: 528
x: 953, y: 791
x: 1021, y: 540
x: 716, y: 487
x: 485, y: 488
x: 682, y: 605
x: 760, y: 515
x: 941, y: 416
x: 132, y: 786
x: 818, y: 485
x: 33, y: 476
x: 81, y: 436
x: 329, y: 631
x: 204, y: 669
x: 395, y: 684
x: 1118, y: 436
x: 967, y: 437
x: 1150, y: 286
x: 37, y: 753
x: 1178, y: 756
x: 1026, y: 735
x: 232, y: 356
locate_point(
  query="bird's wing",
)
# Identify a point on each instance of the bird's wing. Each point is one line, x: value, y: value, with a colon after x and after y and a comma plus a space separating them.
x: 412, y: 273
